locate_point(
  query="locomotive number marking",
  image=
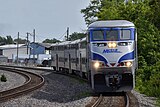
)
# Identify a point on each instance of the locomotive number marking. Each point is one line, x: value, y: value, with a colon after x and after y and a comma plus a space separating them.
x: 111, y: 51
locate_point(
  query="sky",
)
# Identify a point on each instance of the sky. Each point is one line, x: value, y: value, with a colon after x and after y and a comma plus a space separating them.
x: 50, y: 18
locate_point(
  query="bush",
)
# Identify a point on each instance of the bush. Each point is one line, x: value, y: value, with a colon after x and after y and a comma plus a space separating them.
x: 148, y: 80
x: 3, y: 78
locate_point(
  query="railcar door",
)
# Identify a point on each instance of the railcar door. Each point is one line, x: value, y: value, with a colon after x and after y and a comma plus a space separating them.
x: 70, y: 71
x: 57, y: 62
x: 80, y: 62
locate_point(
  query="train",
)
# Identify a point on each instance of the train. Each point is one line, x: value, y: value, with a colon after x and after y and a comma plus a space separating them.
x: 107, y: 56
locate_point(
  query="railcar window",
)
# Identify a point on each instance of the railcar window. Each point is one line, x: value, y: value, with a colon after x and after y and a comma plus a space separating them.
x: 52, y: 57
x: 76, y: 46
x: 77, y: 60
x: 125, y: 34
x: 83, y: 44
x: 61, y: 48
x: 61, y: 59
x: 112, y: 35
x: 69, y: 46
x: 72, y: 46
x: 98, y: 35
x: 65, y: 47
x: 73, y: 60
x: 83, y: 60
x: 66, y: 59
x: 52, y: 48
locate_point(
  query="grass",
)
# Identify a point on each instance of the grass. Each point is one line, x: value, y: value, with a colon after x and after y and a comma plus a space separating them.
x: 3, y: 78
x: 158, y: 102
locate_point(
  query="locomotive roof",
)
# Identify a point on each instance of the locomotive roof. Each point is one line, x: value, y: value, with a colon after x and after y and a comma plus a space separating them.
x: 112, y: 23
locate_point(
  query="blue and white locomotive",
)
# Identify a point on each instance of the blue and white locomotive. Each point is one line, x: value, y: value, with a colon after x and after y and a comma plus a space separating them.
x: 107, y: 56
x: 112, y: 54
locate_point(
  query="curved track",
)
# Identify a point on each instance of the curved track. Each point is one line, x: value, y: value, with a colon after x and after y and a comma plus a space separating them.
x: 33, y: 81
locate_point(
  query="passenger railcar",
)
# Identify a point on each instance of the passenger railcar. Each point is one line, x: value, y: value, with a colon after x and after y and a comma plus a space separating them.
x: 112, y: 54
x: 70, y: 57
x: 107, y: 56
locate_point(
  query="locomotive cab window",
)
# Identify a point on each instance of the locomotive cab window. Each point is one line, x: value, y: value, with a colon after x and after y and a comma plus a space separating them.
x: 125, y: 34
x: 112, y: 35
x: 98, y: 35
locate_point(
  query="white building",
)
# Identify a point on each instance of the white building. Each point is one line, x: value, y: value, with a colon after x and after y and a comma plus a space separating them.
x: 11, y: 50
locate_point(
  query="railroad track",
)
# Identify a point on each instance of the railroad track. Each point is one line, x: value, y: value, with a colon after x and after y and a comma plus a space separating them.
x: 98, y: 101
x: 112, y: 101
x: 109, y: 100
x: 49, y: 70
x: 33, y: 82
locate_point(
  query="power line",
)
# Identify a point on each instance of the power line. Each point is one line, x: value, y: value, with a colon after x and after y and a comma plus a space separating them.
x: 63, y: 35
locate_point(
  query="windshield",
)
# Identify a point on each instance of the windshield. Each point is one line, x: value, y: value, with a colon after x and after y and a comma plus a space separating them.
x: 125, y: 34
x: 112, y: 35
x: 98, y: 35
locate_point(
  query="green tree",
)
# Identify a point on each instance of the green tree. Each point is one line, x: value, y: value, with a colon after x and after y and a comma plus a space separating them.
x: 9, y: 40
x: 155, y: 8
x: 90, y: 13
x: 2, y: 40
x: 51, y: 40
x: 20, y: 41
x: 75, y: 36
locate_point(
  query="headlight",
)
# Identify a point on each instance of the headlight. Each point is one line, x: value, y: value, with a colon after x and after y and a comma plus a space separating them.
x: 109, y: 45
x: 96, y: 64
x: 128, y: 64
x: 112, y: 45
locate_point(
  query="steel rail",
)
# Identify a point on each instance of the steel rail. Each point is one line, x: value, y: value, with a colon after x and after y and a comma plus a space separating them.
x: 98, y: 101
x: 126, y: 99
x: 33, y: 82
x: 42, y: 69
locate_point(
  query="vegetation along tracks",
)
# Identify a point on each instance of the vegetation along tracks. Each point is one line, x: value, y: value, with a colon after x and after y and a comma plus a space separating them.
x: 33, y: 81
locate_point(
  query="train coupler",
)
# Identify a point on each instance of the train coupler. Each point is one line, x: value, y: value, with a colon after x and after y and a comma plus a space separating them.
x: 113, y: 81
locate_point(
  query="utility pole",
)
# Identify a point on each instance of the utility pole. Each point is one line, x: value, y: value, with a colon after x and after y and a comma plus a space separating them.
x: 17, y: 46
x: 67, y: 33
x: 27, y: 42
x: 34, y: 34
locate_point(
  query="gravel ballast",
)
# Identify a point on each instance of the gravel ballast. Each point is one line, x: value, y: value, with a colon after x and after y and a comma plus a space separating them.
x: 58, y: 91
x: 13, y: 80
x: 62, y: 91
x: 143, y: 100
